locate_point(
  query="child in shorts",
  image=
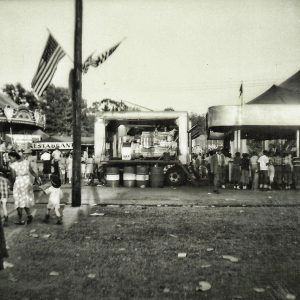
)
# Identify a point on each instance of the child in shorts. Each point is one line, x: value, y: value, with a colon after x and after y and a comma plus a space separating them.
x: 55, y: 194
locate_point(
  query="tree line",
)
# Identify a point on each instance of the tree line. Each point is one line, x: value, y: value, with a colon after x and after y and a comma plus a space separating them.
x: 56, y: 104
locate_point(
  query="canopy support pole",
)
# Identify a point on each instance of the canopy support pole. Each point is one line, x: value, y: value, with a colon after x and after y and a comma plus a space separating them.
x: 298, y: 142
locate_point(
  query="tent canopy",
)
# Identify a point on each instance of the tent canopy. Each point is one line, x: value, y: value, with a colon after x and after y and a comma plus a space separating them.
x: 277, y: 95
x: 287, y: 92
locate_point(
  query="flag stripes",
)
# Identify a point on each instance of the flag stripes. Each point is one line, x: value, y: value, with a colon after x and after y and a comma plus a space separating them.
x: 98, y: 60
x: 51, y: 56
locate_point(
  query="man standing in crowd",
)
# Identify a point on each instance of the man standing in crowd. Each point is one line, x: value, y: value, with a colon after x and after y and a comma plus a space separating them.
x: 217, y: 163
x: 278, y: 161
x: 46, y: 158
x: 263, y: 162
x: 56, y: 155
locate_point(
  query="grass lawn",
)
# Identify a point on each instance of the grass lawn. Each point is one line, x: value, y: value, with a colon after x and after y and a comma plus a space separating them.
x: 132, y: 252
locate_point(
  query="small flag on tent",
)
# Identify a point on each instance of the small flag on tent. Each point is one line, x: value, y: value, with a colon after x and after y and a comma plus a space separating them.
x: 99, y: 59
x: 241, y: 90
x: 52, y: 54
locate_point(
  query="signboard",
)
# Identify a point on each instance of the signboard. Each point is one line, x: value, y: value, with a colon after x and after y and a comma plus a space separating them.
x: 52, y: 145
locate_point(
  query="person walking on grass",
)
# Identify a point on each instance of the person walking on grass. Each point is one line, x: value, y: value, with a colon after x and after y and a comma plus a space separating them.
x: 55, y: 194
x: 22, y: 186
x: 4, y: 192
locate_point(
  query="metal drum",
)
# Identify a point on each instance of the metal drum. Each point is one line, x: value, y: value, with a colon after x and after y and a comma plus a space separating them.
x: 129, y: 176
x: 113, y: 177
x: 142, y: 176
x: 296, y: 170
x: 157, y: 176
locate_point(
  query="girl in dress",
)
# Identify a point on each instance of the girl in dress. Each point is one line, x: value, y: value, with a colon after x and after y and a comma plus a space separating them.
x: 23, y: 187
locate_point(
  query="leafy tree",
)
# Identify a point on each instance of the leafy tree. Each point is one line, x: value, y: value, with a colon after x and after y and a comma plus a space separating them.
x: 200, y: 121
x: 58, y: 108
x: 19, y: 95
x: 169, y: 109
x: 109, y: 105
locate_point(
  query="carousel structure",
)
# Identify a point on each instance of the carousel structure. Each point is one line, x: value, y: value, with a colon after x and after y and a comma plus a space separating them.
x: 18, y: 123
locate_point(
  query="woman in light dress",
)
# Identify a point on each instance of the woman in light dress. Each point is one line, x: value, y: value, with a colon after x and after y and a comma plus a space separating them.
x: 69, y: 167
x: 83, y: 166
x: 23, y: 187
x: 90, y: 167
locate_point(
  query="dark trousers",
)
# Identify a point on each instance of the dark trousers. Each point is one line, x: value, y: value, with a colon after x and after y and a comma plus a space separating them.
x: 263, y: 178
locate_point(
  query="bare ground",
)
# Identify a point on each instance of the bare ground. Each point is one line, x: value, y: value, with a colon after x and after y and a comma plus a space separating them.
x: 132, y: 252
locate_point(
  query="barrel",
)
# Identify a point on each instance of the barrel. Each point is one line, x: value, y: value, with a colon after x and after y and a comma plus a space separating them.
x: 142, y: 176
x: 296, y: 170
x: 112, y: 177
x: 129, y: 176
x: 157, y: 176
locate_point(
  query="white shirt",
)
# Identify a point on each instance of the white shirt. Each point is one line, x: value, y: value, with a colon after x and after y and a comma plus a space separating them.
x: 56, y: 154
x: 54, y: 195
x: 263, y: 160
x: 253, y: 160
x: 46, y: 156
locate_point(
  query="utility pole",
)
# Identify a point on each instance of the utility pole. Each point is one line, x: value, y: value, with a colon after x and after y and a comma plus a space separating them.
x: 76, y: 98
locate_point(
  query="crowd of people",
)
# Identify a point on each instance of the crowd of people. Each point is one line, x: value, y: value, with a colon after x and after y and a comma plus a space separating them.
x: 265, y: 171
x: 20, y: 170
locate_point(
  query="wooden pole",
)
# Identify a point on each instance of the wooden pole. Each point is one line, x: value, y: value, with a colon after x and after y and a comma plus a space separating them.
x: 76, y: 97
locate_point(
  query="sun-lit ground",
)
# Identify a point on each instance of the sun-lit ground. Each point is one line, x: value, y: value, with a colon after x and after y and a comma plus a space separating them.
x: 131, y: 251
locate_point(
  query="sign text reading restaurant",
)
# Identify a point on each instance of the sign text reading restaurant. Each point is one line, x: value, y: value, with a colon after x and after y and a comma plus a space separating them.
x: 52, y: 145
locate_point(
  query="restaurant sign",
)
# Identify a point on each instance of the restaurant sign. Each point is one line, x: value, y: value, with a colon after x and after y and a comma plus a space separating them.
x: 52, y: 145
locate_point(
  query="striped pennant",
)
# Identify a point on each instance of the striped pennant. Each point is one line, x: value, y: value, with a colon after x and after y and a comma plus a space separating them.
x: 52, y: 54
x: 99, y: 59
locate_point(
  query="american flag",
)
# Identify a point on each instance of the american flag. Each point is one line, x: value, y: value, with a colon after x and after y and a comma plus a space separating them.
x: 99, y: 59
x: 241, y: 89
x: 52, y: 54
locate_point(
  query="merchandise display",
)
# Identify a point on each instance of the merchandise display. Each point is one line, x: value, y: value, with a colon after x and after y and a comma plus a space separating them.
x: 149, y: 145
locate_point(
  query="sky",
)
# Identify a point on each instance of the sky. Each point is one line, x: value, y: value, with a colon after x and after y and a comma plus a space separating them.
x: 184, y: 54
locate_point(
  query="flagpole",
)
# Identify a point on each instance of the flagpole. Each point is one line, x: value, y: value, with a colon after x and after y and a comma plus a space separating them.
x: 70, y: 58
x: 76, y: 97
